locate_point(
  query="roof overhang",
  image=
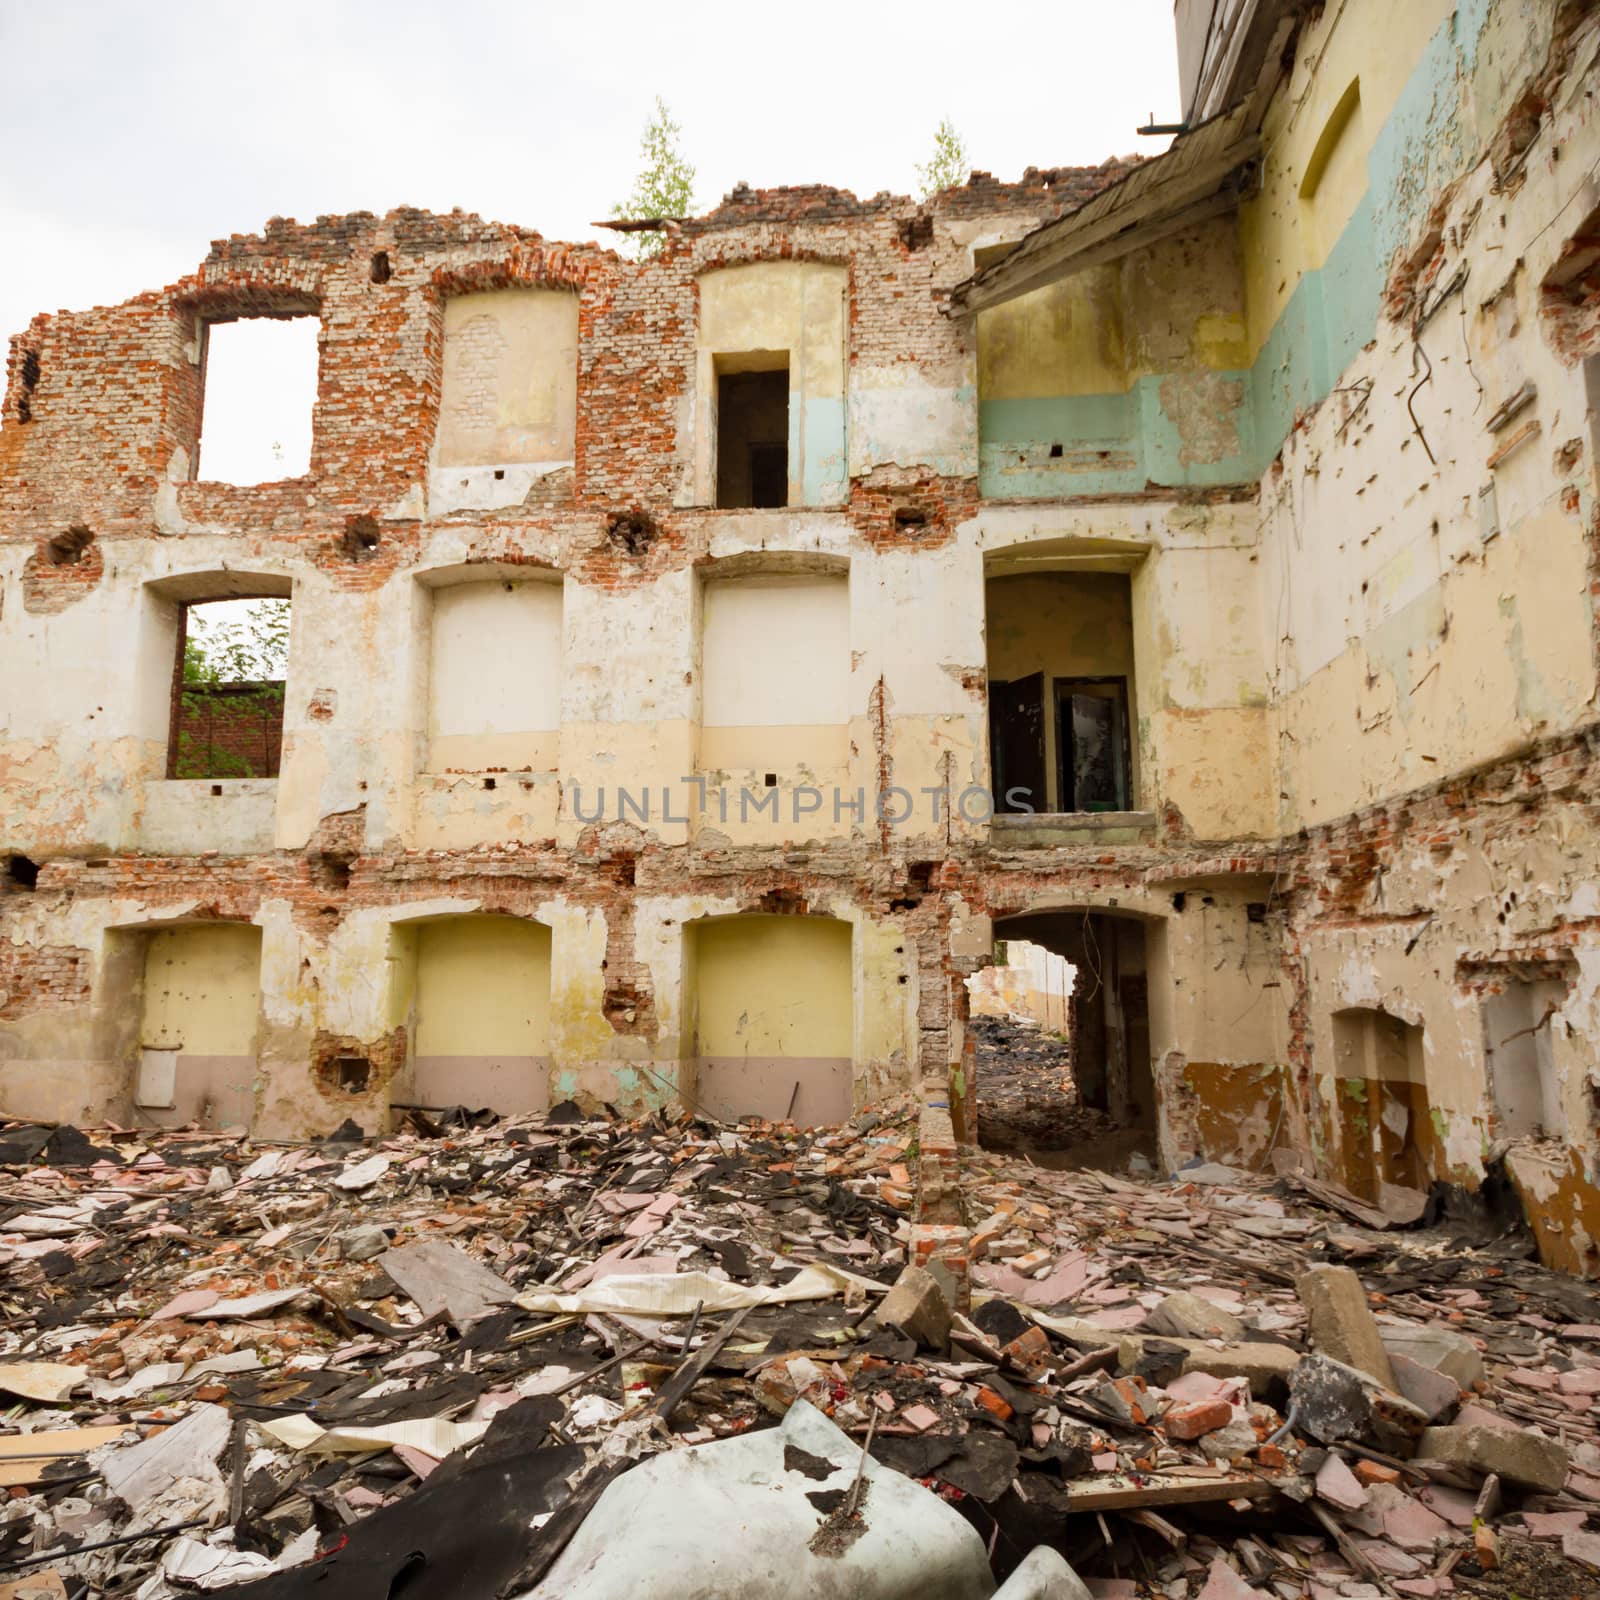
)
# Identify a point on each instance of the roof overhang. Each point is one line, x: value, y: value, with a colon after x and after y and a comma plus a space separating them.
x: 1203, y: 175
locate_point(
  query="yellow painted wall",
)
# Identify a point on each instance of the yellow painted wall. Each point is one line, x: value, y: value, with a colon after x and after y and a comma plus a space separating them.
x: 1283, y: 233
x: 510, y: 388
x: 202, y: 990
x: 483, y: 987
x: 773, y: 986
x: 765, y: 306
x: 1066, y: 338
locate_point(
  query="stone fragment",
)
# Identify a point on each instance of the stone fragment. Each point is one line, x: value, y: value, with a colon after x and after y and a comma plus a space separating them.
x: 1339, y: 1486
x: 1432, y: 1392
x: 1223, y: 1583
x: 1584, y: 1547
x: 1187, y: 1316
x: 1341, y: 1323
x: 917, y: 1306
x: 1528, y: 1460
x: 1442, y: 1349
x: 363, y: 1243
x: 1407, y: 1522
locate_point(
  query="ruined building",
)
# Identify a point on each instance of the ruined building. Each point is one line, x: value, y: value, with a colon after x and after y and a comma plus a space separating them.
x: 696, y: 663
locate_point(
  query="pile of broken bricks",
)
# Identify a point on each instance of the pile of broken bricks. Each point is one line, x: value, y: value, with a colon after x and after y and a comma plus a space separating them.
x: 479, y: 1347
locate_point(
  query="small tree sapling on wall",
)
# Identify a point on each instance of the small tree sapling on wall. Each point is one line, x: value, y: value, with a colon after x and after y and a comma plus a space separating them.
x: 948, y: 165
x: 665, y: 185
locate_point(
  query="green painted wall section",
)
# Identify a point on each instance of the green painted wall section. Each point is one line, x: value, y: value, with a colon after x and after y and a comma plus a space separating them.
x: 1123, y: 443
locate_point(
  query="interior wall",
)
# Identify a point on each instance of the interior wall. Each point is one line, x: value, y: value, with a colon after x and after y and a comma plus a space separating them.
x: 775, y: 675
x: 774, y: 1017
x: 482, y: 1010
x: 769, y: 306
x: 752, y: 409
x: 495, y: 679
x: 200, y: 1025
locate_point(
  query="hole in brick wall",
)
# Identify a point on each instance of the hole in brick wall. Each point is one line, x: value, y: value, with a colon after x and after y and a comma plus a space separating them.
x: 216, y: 788
x: 381, y: 271
x: 353, y: 1074
x: 360, y: 539
x: 916, y: 233
x: 633, y: 530
x: 66, y: 549
x: 488, y: 783
x: 331, y: 872
x: 260, y: 387
x: 1055, y: 452
x: 1179, y: 900
x: 499, y: 473
x: 772, y: 780
x: 227, y: 701
x: 22, y: 872
x: 1256, y: 911
x: 910, y: 517
x: 30, y: 380
x: 921, y: 874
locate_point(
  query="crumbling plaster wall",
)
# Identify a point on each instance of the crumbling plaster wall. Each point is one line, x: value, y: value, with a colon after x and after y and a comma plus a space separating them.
x: 1428, y: 550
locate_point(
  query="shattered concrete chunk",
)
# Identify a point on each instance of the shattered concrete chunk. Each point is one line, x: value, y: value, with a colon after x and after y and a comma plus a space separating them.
x: 1526, y: 1459
x: 1341, y: 1323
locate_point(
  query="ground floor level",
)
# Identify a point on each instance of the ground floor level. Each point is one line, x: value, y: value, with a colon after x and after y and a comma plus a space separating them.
x: 1403, y: 1000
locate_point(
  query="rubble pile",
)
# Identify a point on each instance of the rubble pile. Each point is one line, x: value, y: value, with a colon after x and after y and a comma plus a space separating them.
x: 536, y: 1357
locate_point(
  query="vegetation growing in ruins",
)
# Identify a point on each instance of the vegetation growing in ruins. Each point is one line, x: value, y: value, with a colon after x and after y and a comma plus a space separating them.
x: 948, y: 166
x: 665, y: 185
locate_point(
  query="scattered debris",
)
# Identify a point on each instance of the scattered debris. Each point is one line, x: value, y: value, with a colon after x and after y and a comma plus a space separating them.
x: 510, y: 1338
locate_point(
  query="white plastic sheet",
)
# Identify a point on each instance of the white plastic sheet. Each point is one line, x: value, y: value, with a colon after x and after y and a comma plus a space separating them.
x: 677, y: 1294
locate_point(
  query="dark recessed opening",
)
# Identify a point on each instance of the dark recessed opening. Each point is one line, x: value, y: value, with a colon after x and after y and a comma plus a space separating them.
x: 1179, y: 900
x: 353, y: 1074
x: 499, y: 473
x: 330, y: 872
x: 216, y: 788
x: 66, y: 549
x: 772, y: 780
x: 753, y: 437
x: 22, y: 872
x: 1055, y: 452
x: 1256, y: 911
x: 30, y: 378
x: 360, y: 538
x: 910, y: 517
x: 381, y: 270
x: 488, y: 783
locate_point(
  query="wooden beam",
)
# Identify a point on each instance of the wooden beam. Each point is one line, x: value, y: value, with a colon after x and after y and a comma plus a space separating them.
x: 1127, y: 1491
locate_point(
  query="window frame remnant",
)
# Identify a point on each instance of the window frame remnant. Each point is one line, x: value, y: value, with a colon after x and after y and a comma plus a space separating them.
x: 189, y: 698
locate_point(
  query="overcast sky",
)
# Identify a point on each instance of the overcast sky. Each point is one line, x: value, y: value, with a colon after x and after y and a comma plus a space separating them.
x: 136, y: 131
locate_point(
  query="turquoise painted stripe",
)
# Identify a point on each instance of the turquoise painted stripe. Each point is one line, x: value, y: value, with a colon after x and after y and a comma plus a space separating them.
x: 1119, y: 443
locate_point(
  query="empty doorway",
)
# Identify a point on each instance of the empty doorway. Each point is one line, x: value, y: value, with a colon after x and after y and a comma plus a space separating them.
x: 753, y: 432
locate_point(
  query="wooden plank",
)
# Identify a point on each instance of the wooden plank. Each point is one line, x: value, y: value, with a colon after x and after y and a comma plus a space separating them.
x: 1124, y: 1491
x: 25, y: 1456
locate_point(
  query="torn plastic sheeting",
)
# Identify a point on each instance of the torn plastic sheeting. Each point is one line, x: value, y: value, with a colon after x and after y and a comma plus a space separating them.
x: 431, y: 1435
x: 676, y: 1295
x: 761, y: 1517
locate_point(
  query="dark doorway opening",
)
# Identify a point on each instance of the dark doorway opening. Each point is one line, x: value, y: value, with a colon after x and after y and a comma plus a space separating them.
x: 1016, y: 739
x: 753, y: 437
x: 1094, y: 767
x: 1072, y: 1085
